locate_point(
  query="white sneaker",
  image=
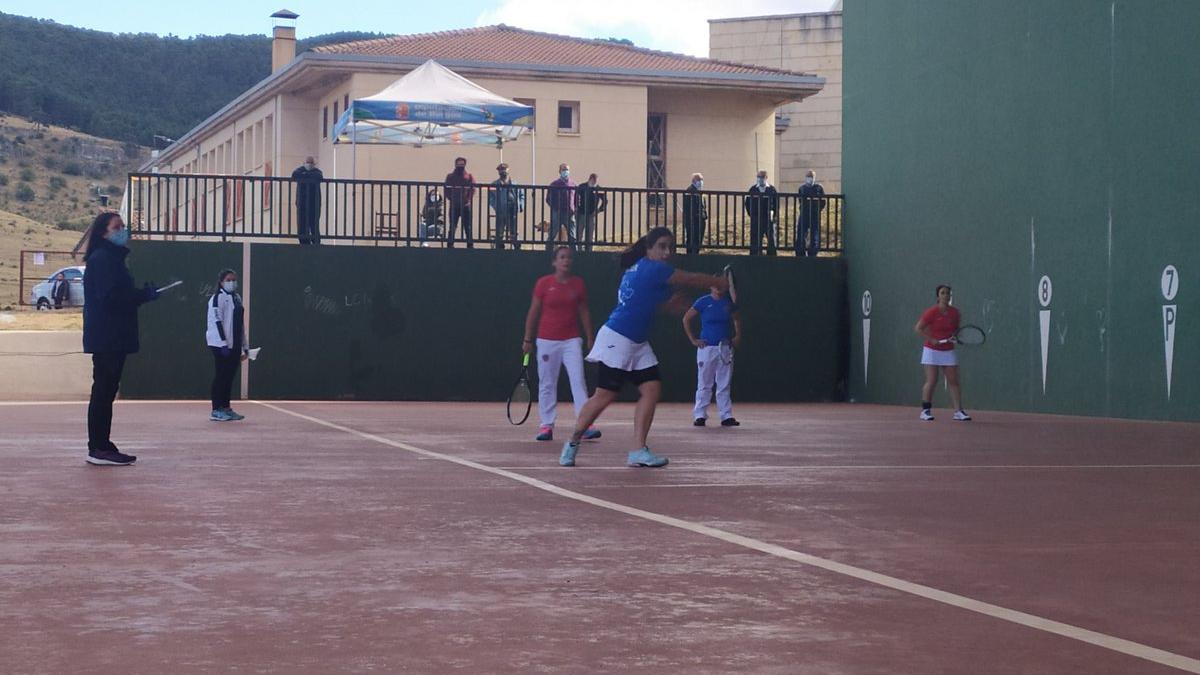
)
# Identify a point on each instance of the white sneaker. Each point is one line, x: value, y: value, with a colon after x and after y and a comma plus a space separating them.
x: 961, y: 415
x: 926, y: 415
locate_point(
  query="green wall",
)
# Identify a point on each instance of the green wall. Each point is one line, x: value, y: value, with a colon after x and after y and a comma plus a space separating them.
x: 990, y: 144
x: 339, y: 322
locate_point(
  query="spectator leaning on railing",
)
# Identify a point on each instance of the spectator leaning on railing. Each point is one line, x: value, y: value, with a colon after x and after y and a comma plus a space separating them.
x: 561, y: 199
x: 695, y: 215
x: 460, y: 193
x: 808, y: 223
x: 308, y: 201
x: 762, y: 205
x: 506, y: 200
x: 589, y: 201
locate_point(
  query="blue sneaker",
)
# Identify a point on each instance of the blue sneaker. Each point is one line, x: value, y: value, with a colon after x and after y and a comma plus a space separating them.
x: 220, y: 416
x: 644, y: 457
x: 234, y: 416
x: 567, y: 458
x: 545, y: 434
x: 591, y: 434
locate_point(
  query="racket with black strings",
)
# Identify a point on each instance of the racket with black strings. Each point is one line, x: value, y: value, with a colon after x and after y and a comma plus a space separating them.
x: 520, y: 400
x: 969, y: 334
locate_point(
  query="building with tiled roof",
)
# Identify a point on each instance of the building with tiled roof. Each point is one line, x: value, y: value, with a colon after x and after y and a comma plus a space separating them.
x: 637, y: 117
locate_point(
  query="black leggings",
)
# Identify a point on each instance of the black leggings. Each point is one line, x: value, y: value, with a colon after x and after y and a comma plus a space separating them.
x: 106, y: 379
x: 226, y: 370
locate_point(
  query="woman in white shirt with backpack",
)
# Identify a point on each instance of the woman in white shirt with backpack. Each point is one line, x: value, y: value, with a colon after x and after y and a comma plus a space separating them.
x: 226, y: 336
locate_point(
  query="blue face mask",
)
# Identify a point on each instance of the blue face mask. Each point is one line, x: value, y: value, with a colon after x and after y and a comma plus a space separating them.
x: 564, y: 174
x: 120, y: 237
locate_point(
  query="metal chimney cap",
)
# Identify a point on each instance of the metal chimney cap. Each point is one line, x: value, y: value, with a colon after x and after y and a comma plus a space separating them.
x: 285, y: 14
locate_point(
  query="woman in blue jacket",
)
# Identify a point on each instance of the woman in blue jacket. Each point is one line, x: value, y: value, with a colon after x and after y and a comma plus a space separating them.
x: 110, y: 329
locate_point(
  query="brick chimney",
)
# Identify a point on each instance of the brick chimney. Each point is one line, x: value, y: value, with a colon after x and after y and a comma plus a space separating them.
x: 283, y: 44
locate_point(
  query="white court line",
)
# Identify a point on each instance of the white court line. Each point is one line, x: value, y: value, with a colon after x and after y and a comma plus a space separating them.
x: 1116, y: 644
x: 884, y: 467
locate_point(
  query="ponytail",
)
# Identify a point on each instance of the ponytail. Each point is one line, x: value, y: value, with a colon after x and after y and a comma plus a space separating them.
x: 638, y: 250
x: 633, y: 253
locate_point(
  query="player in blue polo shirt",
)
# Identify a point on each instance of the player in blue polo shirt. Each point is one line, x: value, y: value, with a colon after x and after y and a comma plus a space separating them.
x: 714, y: 353
x: 621, y: 350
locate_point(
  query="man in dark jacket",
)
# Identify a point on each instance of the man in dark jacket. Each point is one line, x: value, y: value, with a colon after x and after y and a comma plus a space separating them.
x: 61, y: 292
x: 506, y: 201
x: 695, y: 215
x: 589, y: 201
x: 308, y: 180
x: 808, y: 224
x: 561, y: 198
x: 110, y: 329
x: 460, y: 194
x: 762, y: 205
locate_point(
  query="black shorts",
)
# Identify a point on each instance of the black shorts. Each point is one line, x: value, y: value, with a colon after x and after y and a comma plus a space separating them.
x: 612, y: 378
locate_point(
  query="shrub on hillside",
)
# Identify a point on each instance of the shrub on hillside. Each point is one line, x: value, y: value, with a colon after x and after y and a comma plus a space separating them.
x: 57, y: 183
x: 3, y: 180
x: 50, y: 162
x: 25, y: 193
x: 72, y: 169
x: 28, y: 175
x: 73, y: 225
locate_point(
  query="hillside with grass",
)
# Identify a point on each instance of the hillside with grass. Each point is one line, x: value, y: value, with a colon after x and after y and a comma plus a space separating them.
x: 58, y: 176
x: 51, y: 183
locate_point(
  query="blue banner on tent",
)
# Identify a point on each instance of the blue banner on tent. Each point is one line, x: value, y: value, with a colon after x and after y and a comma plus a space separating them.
x: 442, y: 113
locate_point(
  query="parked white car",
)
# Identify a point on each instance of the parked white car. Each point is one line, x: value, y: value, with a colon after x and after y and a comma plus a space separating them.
x: 41, y: 294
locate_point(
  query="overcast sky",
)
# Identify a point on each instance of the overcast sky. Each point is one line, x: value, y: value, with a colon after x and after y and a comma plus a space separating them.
x: 671, y: 25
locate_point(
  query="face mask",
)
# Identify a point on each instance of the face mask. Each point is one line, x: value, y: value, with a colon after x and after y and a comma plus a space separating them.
x: 309, y: 165
x: 229, y: 286
x: 564, y: 174
x: 699, y: 184
x: 459, y: 169
x: 760, y: 182
x: 810, y: 180
x: 503, y: 175
x: 120, y: 237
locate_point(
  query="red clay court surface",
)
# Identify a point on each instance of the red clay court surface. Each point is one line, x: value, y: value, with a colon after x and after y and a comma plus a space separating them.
x: 430, y: 538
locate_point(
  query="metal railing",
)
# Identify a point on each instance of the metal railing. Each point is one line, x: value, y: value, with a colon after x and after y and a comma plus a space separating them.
x: 415, y: 213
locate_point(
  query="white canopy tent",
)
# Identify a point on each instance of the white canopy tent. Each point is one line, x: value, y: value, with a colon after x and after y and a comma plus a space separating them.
x: 433, y: 105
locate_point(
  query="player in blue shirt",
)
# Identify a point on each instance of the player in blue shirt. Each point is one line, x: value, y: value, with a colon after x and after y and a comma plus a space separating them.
x: 714, y: 353
x: 621, y: 348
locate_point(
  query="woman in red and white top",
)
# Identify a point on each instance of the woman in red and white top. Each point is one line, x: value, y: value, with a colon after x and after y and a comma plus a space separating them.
x: 937, y: 325
x: 558, y: 308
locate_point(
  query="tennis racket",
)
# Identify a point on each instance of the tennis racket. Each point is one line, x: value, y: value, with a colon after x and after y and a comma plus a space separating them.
x: 726, y: 352
x: 520, y: 401
x: 967, y: 335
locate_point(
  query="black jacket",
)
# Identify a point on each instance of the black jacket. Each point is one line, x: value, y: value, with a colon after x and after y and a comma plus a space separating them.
x: 695, y: 211
x: 762, y: 205
x: 308, y: 187
x: 589, y: 199
x: 110, y: 302
x: 812, y: 201
x: 62, y: 291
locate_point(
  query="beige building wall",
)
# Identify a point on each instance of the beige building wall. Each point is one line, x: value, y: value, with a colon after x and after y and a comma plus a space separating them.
x: 714, y: 133
x: 809, y: 43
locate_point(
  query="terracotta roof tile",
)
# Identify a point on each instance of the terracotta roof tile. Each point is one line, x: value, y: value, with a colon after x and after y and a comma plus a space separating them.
x: 506, y: 44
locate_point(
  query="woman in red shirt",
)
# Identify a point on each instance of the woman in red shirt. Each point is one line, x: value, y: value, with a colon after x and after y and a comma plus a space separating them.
x: 937, y: 325
x: 558, y: 307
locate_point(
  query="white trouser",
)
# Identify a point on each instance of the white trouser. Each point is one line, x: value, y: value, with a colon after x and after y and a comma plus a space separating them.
x: 551, y: 354
x: 714, y: 364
